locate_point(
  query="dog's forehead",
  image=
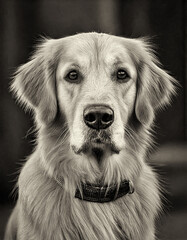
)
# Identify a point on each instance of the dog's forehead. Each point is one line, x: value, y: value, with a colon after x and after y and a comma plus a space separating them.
x: 96, y: 47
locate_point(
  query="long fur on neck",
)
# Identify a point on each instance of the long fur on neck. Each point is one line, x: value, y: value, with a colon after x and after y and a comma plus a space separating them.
x: 53, y: 161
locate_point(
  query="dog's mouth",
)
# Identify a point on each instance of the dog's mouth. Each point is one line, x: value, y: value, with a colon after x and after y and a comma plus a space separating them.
x: 97, y: 143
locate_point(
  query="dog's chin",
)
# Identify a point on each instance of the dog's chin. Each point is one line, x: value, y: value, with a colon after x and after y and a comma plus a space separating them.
x: 110, y: 147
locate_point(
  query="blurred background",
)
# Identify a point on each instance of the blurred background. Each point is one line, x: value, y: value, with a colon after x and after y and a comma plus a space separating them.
x: 23, y: 22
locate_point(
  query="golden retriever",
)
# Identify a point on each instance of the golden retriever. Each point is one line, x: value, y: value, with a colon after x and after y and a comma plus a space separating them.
x: 94, y: 98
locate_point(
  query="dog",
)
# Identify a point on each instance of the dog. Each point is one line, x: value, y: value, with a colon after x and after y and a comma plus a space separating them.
x: 94, y: 98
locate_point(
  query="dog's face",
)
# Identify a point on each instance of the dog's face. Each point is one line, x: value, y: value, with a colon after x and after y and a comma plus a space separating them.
x: 97, y: 82
x: 96, y: 85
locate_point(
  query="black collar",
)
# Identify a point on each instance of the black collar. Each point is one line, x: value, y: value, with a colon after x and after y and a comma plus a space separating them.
x: 101, y: 194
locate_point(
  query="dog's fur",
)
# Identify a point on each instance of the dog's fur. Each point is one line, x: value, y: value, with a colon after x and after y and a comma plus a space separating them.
x: 63, y: 156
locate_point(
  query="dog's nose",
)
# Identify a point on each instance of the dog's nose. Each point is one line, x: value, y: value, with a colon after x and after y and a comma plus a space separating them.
x: 98, y: 117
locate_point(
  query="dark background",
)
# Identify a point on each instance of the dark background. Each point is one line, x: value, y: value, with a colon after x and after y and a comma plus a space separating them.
x: 22, y: 22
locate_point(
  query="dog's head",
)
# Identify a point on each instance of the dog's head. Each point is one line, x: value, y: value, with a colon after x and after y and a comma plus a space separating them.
x: 97, y: 82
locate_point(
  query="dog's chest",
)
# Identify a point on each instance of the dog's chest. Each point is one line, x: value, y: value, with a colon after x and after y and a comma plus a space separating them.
x: 56, y: 214
x: 71, y: 218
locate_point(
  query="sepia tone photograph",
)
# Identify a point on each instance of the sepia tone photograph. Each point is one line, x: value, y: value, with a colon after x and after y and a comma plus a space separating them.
x: 93, y: 123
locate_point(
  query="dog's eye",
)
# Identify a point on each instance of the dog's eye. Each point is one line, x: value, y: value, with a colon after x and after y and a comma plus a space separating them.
x: 72, y: 76
x: 122, y: 74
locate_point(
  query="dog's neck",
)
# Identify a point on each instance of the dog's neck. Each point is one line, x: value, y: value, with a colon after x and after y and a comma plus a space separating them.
x: 101, y: 193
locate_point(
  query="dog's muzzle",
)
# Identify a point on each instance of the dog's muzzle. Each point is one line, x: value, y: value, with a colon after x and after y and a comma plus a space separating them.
x: 98, y: 117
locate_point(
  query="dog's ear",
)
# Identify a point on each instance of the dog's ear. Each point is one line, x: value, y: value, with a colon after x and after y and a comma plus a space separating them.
x: 154, y: 85
x: 34, y: 83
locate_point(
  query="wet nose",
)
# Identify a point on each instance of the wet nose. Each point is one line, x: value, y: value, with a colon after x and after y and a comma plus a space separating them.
x: 98, y: 117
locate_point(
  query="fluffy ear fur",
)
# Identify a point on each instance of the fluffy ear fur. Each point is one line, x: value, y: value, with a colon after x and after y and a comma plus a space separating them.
x: 34, y: 83
x: 154, y: 87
